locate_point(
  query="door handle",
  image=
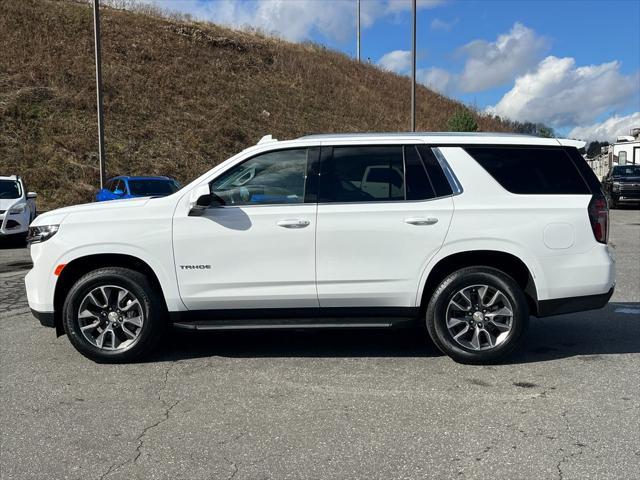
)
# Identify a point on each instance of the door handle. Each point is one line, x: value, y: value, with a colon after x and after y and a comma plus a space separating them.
x: 293, y: 223
x: 421, y: 221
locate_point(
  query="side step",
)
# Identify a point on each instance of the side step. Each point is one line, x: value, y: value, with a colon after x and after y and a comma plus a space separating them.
x: 306, y: 318
x: 293, y: 323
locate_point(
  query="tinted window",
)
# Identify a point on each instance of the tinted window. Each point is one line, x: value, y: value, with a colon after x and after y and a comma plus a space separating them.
x: 531, y: 170
x: 152, y: 188
x: 9, y: 189
x: 588, y: 175
x: 418, y: 186
x: 438, y: 179
x: 626, y: 171
x: 271, y: 178
x: 363, y: 174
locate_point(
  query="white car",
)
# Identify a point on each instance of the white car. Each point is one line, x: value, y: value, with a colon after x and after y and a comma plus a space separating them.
x: 465, y: 234
x: 17, y: 206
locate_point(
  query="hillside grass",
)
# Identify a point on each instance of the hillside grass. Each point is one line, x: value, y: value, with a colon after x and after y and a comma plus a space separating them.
x: 179, y: 96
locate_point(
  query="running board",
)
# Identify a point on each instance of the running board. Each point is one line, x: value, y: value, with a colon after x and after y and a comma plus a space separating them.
x: 288, y: 325
x: 307, y: 318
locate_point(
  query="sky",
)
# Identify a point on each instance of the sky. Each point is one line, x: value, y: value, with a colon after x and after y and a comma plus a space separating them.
x: 572, y: 65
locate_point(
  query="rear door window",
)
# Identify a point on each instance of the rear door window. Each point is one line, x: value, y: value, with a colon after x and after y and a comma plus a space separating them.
x: 381, y: 173
x: 531, y: 170
x: 363, y: 174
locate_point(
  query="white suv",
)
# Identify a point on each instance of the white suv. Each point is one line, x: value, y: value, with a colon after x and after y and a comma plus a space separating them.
x: 17, y: 206
x: 466, y: 234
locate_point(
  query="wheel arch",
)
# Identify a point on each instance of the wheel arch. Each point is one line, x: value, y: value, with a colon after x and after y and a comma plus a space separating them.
x: 85, y: 264
x: 503, y: 261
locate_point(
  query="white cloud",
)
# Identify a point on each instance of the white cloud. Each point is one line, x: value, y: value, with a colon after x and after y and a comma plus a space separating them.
x: 443, y: 25
x: 560, y: 94
x: 491, y: 64
x: 294, y: 20
x: 609, y: 129
x: 398, y: 61
x: 437, y: 79
x: 487, y: 64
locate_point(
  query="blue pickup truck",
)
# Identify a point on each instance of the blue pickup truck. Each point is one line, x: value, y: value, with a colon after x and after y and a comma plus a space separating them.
x: 131, y: 187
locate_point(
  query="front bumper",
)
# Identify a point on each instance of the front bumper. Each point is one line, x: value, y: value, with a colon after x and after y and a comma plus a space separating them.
x: 558, y: 306
x: 14, y: 224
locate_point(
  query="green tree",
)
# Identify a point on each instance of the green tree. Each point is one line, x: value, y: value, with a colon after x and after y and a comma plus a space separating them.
x: 544, y: 131
x: 462, y: 121
x: 594, y: 149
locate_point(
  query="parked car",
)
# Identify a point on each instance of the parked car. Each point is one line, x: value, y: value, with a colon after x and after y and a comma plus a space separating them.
x: 131, y: 187
x: 467, y: 235
x: 622, y: 184
x: 17, y: 206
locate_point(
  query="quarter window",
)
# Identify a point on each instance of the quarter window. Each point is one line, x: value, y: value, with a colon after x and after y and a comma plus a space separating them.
x: 271, y: 178
x: 532, y: 171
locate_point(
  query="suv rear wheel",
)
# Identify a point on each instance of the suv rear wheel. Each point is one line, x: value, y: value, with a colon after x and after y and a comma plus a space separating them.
x: 114, y: 315
x: 477, y: 315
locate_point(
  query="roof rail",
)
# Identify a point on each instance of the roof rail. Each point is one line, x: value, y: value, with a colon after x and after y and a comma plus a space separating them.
x: 267, y: 139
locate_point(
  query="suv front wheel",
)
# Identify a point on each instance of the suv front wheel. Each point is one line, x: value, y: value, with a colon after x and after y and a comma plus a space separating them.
x: 113, y: 315
x: 477, y: 315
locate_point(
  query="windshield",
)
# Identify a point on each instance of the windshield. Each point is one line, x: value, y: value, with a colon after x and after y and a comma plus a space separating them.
x: 10, y: 189
x: 153, y: 188
x: 626, y: 171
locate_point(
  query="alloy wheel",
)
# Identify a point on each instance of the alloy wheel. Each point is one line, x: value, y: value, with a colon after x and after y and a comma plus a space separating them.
x: 111, y: 318
x: 479, y: 317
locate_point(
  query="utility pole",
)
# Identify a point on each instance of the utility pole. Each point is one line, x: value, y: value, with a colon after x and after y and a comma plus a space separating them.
x: 96, y: 34
x: 358, y: 30
x: 413, y: 69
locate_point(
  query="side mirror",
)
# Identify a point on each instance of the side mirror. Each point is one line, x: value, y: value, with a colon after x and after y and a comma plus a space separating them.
x: 202, y: 198
x: 118, y: 192
x: 32, y: 195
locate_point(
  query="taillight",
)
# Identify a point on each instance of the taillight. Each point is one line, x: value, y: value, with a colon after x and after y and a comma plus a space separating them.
x: 599, y: 217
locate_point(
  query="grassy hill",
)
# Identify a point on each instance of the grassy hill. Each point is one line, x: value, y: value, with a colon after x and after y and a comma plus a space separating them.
x: 179, y: 96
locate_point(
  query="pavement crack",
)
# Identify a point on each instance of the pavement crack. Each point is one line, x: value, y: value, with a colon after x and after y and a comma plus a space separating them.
x: 233, y: 466
x: 167, y: 408
x: 142, y: 436
x: 576, y: 442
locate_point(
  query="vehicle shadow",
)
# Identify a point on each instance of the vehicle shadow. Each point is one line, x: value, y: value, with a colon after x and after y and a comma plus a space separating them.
x: 614, y: 329
x: 13, y: 241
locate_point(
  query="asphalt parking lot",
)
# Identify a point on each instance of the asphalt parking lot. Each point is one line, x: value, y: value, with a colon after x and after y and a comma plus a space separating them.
x: 295, y: 405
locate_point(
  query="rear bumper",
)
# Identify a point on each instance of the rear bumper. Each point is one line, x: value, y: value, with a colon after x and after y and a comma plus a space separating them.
x: 559, y: 306
x: 46, y: 319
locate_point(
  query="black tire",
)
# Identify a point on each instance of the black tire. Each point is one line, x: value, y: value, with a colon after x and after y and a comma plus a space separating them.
x: 613, y: 203
x: 445, y: 292
x: 151, y: 303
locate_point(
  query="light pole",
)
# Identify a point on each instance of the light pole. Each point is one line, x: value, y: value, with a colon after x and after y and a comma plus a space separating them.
x: 358, y: 30
x: 413, y: 69
x: 96, y: 34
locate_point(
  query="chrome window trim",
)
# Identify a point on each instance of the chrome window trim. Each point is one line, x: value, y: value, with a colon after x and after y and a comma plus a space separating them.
x: 454, y: 183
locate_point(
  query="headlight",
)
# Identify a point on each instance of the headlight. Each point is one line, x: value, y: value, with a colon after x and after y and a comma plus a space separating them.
x: 41, y: 234
x: 18, y: 209
x: 616, y: 185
